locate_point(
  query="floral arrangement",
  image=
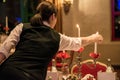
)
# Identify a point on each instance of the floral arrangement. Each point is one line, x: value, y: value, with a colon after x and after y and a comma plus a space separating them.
x: 63, y: 55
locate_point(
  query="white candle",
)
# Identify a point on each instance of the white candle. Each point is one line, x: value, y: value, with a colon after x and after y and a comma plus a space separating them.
x: 95, y: 46
x: 6, y: 24
x: 78, y: 27
x: 6, y: 20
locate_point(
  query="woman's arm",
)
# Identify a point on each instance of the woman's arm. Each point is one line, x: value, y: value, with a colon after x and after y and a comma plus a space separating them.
x: 10, y: 42
x: 74, y: 43
x: 91, y: 39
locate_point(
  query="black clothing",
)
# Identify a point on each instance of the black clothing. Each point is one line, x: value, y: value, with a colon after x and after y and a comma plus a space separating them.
x: 34, y: 51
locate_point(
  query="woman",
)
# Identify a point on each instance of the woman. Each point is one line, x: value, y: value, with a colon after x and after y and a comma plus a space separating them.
x: 36, y: 44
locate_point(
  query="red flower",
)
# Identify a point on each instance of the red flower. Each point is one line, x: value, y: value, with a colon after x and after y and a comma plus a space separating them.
x: 94, y: 55
x: 59, y: 64
x: 81, y: 49
x: 63, y: 55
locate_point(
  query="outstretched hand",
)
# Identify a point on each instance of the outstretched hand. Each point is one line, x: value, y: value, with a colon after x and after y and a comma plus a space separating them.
x: 96, y: 38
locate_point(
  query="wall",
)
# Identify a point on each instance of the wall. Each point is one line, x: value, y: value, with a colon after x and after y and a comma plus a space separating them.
x: 92, y: 16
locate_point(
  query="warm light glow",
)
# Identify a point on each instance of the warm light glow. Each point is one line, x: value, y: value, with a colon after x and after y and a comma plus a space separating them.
x: 70, y: 1
x: 77, y: 25
x: 4, y: 1
x: 78, y: 28
x: 67, y: 1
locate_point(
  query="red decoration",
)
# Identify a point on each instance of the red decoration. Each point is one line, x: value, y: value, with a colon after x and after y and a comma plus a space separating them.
x: 63, y: 55
x: 81, y: 49
x: 94, y: 55
x: 87, y: 68
x: 6, y: 28
x: 59, y: 64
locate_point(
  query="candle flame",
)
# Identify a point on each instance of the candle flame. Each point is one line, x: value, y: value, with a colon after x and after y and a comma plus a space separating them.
x: 78, y: 30
x: 77, y: 25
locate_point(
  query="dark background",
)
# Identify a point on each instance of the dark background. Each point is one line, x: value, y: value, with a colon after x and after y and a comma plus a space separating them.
x: 17, y: 11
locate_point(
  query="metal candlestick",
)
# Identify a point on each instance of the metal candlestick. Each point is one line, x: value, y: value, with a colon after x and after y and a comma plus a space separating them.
x: 79, y: 58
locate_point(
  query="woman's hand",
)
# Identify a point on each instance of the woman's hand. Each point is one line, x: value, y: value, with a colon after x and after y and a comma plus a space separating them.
x: 92, y: 38
x: 96, y: 38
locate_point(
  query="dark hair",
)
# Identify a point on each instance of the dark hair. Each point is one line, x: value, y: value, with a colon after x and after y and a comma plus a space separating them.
x: 43, y: 12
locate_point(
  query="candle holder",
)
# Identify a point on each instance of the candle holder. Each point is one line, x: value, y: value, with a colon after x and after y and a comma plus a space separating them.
x: 64, y: 56
x: 6, y: 30
x: 94, y: 56
x: 79, y: 59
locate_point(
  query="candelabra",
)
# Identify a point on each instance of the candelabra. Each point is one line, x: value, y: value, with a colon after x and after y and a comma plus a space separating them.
x: 79, y: 59
x: 94, y: 56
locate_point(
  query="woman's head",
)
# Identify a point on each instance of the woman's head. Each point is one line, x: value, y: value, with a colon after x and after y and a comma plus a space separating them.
x: 45, y: 10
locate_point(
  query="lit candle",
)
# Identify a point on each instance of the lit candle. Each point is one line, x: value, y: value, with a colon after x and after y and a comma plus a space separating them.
x: 95, y: 46
x: 78, y: 30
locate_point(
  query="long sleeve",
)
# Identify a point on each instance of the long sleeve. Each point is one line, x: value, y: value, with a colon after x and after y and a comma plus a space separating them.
x: 69, y: 43
x: 74, y: 43
x: 11, y: 40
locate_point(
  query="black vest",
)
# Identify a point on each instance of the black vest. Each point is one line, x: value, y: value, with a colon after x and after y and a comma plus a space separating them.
x: 34, y: 51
